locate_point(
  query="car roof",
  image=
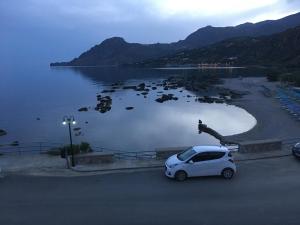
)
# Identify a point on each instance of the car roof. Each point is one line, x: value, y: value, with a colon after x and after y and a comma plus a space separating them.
x: 210, y: 148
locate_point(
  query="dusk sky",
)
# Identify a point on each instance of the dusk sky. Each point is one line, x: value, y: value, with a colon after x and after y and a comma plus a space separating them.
x: 55, y: 30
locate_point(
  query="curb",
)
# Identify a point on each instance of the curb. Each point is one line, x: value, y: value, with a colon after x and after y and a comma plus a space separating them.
x: 116, y: 169
x: 265, y: 157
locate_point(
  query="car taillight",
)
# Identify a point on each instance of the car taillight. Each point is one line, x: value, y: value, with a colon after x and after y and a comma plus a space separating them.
x: 230, y: 160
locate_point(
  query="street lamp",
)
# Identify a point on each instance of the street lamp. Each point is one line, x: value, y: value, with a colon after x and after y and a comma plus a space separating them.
x: 70, y: 120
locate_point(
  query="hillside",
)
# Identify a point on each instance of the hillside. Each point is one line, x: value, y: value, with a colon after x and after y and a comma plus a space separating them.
x: 116, y: 51
x: 277, y: 49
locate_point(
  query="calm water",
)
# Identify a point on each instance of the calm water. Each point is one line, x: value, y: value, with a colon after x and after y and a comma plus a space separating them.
x: 41, y: 92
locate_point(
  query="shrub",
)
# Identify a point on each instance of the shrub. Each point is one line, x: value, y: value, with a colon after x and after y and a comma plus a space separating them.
x: 83, y: 147
x: 53, y: 152
x: 273, y: 77
x: 292, y: 78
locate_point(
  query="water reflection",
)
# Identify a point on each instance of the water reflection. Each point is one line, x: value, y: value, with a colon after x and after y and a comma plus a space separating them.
x: 50, y: 94
x: 174, y: 123
x: 112, y: 74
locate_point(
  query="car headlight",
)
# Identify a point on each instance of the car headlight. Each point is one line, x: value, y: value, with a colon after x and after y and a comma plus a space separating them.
x: 172, y: 166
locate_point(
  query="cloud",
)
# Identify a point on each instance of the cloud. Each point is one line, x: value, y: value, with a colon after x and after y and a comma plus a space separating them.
x: 73, y: 14
x: 200, y: 8
x: 65, y: 28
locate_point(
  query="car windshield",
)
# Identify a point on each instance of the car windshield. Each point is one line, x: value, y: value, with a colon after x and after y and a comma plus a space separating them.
x: 186, y: 154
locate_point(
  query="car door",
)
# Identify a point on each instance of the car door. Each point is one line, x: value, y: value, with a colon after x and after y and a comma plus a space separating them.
x: 215, y: 163
x: 198, y: 165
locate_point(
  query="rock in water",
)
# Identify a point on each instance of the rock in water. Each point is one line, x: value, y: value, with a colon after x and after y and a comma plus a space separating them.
x: 2, y: 132
x: 141, y: 87
x: 15, y: 143
x: 108, y: 91
x: 83, y: 109
x: 129, y: 108
x: 165, y: 97
x: 104, y: 104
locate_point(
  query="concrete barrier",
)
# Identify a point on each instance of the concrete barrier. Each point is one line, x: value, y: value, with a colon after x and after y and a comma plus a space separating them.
x: 94, y: 158
x: 260, y: 146
x: 164, y: 153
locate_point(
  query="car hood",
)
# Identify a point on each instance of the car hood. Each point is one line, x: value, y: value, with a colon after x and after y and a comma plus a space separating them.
x: 173, y: 160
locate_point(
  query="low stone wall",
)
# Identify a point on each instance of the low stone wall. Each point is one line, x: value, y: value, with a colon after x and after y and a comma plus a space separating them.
x: 260, y: 146
x: 164, y: 153
x: 94, y: 158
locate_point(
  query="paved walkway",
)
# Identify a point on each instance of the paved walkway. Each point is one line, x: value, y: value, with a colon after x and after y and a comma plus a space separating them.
x: 44, y: 165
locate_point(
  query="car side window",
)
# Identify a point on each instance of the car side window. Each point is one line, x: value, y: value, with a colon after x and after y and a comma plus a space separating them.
x: 201, y: 157
x: 216, y: 155
x: 205, y: 156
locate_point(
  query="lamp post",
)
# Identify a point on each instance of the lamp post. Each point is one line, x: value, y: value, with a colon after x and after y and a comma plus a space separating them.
x: 70, y: 120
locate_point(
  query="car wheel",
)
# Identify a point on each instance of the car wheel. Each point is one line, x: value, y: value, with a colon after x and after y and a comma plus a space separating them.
x: 228, y: 173
x: 180, y: 175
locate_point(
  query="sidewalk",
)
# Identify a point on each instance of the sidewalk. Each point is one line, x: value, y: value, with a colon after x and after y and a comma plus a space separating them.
x: 44, y: 165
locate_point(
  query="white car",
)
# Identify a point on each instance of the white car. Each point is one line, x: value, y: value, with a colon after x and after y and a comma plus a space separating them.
x: 201, y: 161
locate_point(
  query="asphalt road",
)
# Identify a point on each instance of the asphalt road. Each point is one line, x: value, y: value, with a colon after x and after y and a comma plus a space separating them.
x: 263, y: 192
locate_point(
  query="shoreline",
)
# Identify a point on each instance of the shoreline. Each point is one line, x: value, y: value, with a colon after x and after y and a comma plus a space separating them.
x: 200, y: 68
x: 272, y: 120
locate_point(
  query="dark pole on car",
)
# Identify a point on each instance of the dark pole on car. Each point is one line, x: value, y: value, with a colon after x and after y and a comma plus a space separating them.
x: 70, y: 120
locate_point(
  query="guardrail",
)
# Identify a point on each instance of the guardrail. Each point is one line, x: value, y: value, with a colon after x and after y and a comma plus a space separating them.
x: 43, y: 147
x: 33, y: 147
x: 119, y: 154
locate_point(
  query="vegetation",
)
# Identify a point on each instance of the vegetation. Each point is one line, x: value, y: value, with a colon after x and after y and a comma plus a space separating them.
x: 282, y: 49
x: 288, y: 76
x: 292, y: 78
x: 81, y: 148
x: 275, y: 73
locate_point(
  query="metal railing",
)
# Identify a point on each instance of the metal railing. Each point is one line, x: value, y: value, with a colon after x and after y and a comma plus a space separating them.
x: 32, y: 147
x: 119, y: 154
x: 44, y: 147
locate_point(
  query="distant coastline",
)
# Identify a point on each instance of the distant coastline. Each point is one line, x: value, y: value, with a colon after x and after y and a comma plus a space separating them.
x: 199, y: 68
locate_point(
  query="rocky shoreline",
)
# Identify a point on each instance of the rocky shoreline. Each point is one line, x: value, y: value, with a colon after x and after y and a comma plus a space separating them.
x: 205, y: 89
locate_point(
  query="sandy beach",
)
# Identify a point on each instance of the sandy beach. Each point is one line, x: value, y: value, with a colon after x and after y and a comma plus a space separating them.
x: 272, y: 120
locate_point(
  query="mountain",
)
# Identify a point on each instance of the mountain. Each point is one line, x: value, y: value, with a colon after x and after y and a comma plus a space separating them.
x: 210, y: 35
x: 116, y: 51
x: 273, y: 50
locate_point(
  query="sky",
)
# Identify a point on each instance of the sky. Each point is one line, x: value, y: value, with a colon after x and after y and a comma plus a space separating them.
x: 43, y: 31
